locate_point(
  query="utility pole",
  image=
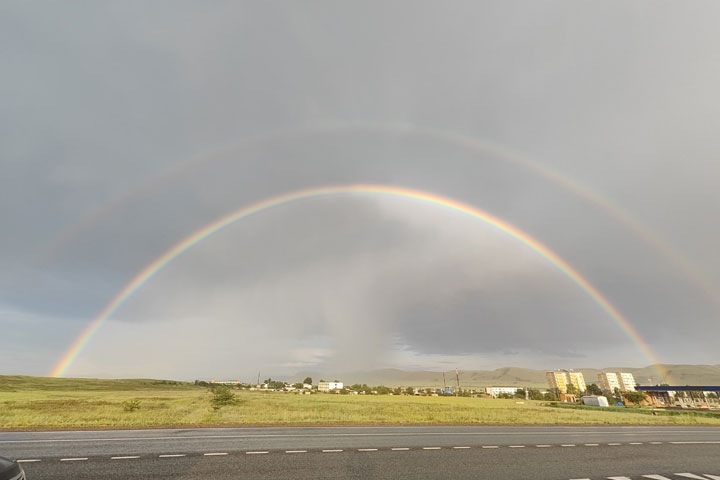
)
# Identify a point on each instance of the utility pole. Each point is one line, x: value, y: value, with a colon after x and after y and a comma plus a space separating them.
x: 444, y: 384
x: 258, y: 382
x: 457, y: 377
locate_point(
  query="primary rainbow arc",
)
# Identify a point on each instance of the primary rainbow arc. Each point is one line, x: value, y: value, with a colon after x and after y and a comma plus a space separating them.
x: 149, y: 271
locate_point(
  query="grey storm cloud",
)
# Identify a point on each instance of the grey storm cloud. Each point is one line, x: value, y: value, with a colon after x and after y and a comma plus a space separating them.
x: 125, y: 129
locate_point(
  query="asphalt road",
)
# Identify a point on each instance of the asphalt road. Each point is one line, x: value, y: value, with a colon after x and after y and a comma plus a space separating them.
x: 371, y: 452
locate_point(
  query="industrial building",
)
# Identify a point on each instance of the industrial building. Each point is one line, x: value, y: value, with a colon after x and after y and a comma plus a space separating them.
x: 685, y: 396
x: 594, y: 400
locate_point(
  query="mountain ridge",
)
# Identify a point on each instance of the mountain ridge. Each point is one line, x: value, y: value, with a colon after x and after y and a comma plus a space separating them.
x: 680, y: 374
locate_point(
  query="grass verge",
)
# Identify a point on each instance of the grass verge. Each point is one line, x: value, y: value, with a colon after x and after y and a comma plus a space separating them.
x: 86, y: 403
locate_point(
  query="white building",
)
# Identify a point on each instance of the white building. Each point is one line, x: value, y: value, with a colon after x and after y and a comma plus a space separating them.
x: 623, y: 381
x: 627, y: 382
x: 594, y: 400
x: 329, y: 386
x: 495, y: 391
x: 608, y: 381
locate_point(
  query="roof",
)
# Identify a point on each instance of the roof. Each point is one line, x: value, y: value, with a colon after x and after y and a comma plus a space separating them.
x: 680, y: 388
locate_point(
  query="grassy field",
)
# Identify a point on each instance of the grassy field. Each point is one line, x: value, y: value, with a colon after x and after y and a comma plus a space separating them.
x: 30, y: 402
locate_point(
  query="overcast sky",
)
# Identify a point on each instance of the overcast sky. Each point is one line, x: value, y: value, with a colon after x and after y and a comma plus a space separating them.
x: 126, y: 126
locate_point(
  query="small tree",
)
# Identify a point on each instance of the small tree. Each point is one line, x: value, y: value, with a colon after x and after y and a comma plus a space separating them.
x: 551, y: 396
x: 410, y: 390
x: 634, y: 397
x: 617, y: 396
x: 535, y: 394
x: 383, y: 390
x: 308, y: 380
x: 571, y: 389
x: 275, y: 385
x: 593, y: 389
x: 221, y: 396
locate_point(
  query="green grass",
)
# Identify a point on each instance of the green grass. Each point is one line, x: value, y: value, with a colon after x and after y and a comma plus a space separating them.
x: 27, y: 402
x: 22, y: 383
x: 639, y: 410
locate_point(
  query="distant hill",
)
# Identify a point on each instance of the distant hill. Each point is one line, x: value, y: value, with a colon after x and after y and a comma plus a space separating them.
x: 391, y: 377
x: 513, y: 376
x: 23, y: 383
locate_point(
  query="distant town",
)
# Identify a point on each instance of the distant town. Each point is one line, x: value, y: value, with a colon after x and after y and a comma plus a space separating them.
x: 564, y: 385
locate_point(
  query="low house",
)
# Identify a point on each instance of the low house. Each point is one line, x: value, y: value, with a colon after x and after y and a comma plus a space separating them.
x: 329, y: 386
x: 497, y: 391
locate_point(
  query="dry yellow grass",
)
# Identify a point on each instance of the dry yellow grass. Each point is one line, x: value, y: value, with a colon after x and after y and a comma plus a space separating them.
x: 167, y: 405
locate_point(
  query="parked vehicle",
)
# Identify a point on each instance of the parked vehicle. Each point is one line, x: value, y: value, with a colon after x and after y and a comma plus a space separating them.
x: 10, y: 470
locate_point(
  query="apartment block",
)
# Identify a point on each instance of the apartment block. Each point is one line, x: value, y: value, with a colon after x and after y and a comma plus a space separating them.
x: 623, y: 381
x: 560, y: 379
x: 627, y: 382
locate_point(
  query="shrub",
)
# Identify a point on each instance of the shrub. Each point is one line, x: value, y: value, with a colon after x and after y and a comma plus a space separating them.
x: 131, y: 405
x: 221, y: 396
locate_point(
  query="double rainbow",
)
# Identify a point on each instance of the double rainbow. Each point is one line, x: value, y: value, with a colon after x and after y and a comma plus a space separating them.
x: 392, y: 191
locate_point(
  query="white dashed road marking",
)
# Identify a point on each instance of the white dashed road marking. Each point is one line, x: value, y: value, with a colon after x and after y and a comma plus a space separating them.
x: 714, y: 477
x: 690, y: 475
x: 687, y: 443
x: 260, y: 452
x: 619, y: 478
x: 657, y: 477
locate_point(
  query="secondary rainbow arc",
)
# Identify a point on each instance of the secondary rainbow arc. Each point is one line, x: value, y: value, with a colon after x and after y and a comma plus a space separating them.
x: 477, y: 144
x: 158, y: 264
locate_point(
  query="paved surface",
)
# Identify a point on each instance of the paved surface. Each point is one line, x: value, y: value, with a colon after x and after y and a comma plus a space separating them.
x: 372, y: 452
